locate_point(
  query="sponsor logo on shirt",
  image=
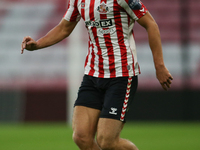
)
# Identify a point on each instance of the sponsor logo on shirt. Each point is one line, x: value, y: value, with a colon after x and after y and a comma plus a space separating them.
x: 106, y: 23
x: 111, y: 31
x: 103, y: 8
x: 102, y: 23
x: 92, y: 23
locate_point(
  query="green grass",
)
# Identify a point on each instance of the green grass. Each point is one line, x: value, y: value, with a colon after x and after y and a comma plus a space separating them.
x: 164, y: 136
x: 146, y: 135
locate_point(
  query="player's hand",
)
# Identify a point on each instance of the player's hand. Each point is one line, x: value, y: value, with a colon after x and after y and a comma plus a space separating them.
x: 164, y: 77
x: 29, y: 44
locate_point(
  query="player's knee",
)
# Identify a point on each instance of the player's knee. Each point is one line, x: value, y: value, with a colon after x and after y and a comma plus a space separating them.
x: 105, y: 143
x: 81, y: 139
x: 77, y: 139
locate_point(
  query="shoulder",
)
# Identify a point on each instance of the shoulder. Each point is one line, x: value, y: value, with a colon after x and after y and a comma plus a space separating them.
x: 135, y: 8
x: 132, y: 4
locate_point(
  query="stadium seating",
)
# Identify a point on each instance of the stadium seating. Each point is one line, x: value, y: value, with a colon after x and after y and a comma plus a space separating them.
x: 167, y: 14
x: 19, y: 18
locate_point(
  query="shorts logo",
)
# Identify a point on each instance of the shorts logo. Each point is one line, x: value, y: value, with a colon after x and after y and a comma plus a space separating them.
x: 113, y: 111
x: 103, y: 8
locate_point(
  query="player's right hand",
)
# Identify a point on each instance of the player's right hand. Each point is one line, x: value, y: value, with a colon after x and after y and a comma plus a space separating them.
x: 29, y: 44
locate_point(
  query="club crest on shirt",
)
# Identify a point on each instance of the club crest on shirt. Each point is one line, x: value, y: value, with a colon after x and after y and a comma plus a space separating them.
x: 103, y: 8
x: 82, y: 5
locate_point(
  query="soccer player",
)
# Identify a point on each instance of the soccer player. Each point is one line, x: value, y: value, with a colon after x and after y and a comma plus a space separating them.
x: 111, y: 67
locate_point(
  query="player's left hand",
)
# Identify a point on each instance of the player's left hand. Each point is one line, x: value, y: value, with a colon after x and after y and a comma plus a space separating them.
x: 164, y: 77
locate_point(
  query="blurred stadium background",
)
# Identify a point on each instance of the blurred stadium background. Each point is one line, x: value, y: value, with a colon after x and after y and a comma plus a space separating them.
x: 40, y: 87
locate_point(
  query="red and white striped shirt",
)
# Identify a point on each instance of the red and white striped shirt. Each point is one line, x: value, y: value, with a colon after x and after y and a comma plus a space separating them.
x: 111, y: 48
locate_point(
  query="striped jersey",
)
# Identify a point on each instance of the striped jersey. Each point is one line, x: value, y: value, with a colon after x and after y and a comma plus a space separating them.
x: 111, y: 45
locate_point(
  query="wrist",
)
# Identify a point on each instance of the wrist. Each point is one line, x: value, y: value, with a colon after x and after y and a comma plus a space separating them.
x: 37, y: 45
x: 160, y: 65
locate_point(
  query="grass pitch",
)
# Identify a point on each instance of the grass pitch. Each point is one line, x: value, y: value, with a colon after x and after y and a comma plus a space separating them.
x: 146, y: 135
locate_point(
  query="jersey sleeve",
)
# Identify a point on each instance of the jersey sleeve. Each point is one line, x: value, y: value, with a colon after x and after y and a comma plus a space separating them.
x: 72, y: 13
x: 135, y: 8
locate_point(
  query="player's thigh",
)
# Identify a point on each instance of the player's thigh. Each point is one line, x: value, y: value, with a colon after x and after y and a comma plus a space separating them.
x: 118, y: 98
x: 109, y: 129
x: 85, y: 121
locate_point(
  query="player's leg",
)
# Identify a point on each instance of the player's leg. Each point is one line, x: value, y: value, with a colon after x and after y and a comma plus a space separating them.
x: 118, y: 97
x: 84, y: 126
x: 86, y: 114
x: 108, y: 135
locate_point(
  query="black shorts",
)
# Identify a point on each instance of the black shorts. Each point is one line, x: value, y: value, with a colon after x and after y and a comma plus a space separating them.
x: 112, y: 96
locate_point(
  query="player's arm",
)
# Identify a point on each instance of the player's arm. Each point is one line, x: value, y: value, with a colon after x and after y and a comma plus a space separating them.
x: 57, y: 34
x: 162, y: 72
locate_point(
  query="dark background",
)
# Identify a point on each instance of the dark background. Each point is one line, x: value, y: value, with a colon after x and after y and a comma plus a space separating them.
x: 43, y: 98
